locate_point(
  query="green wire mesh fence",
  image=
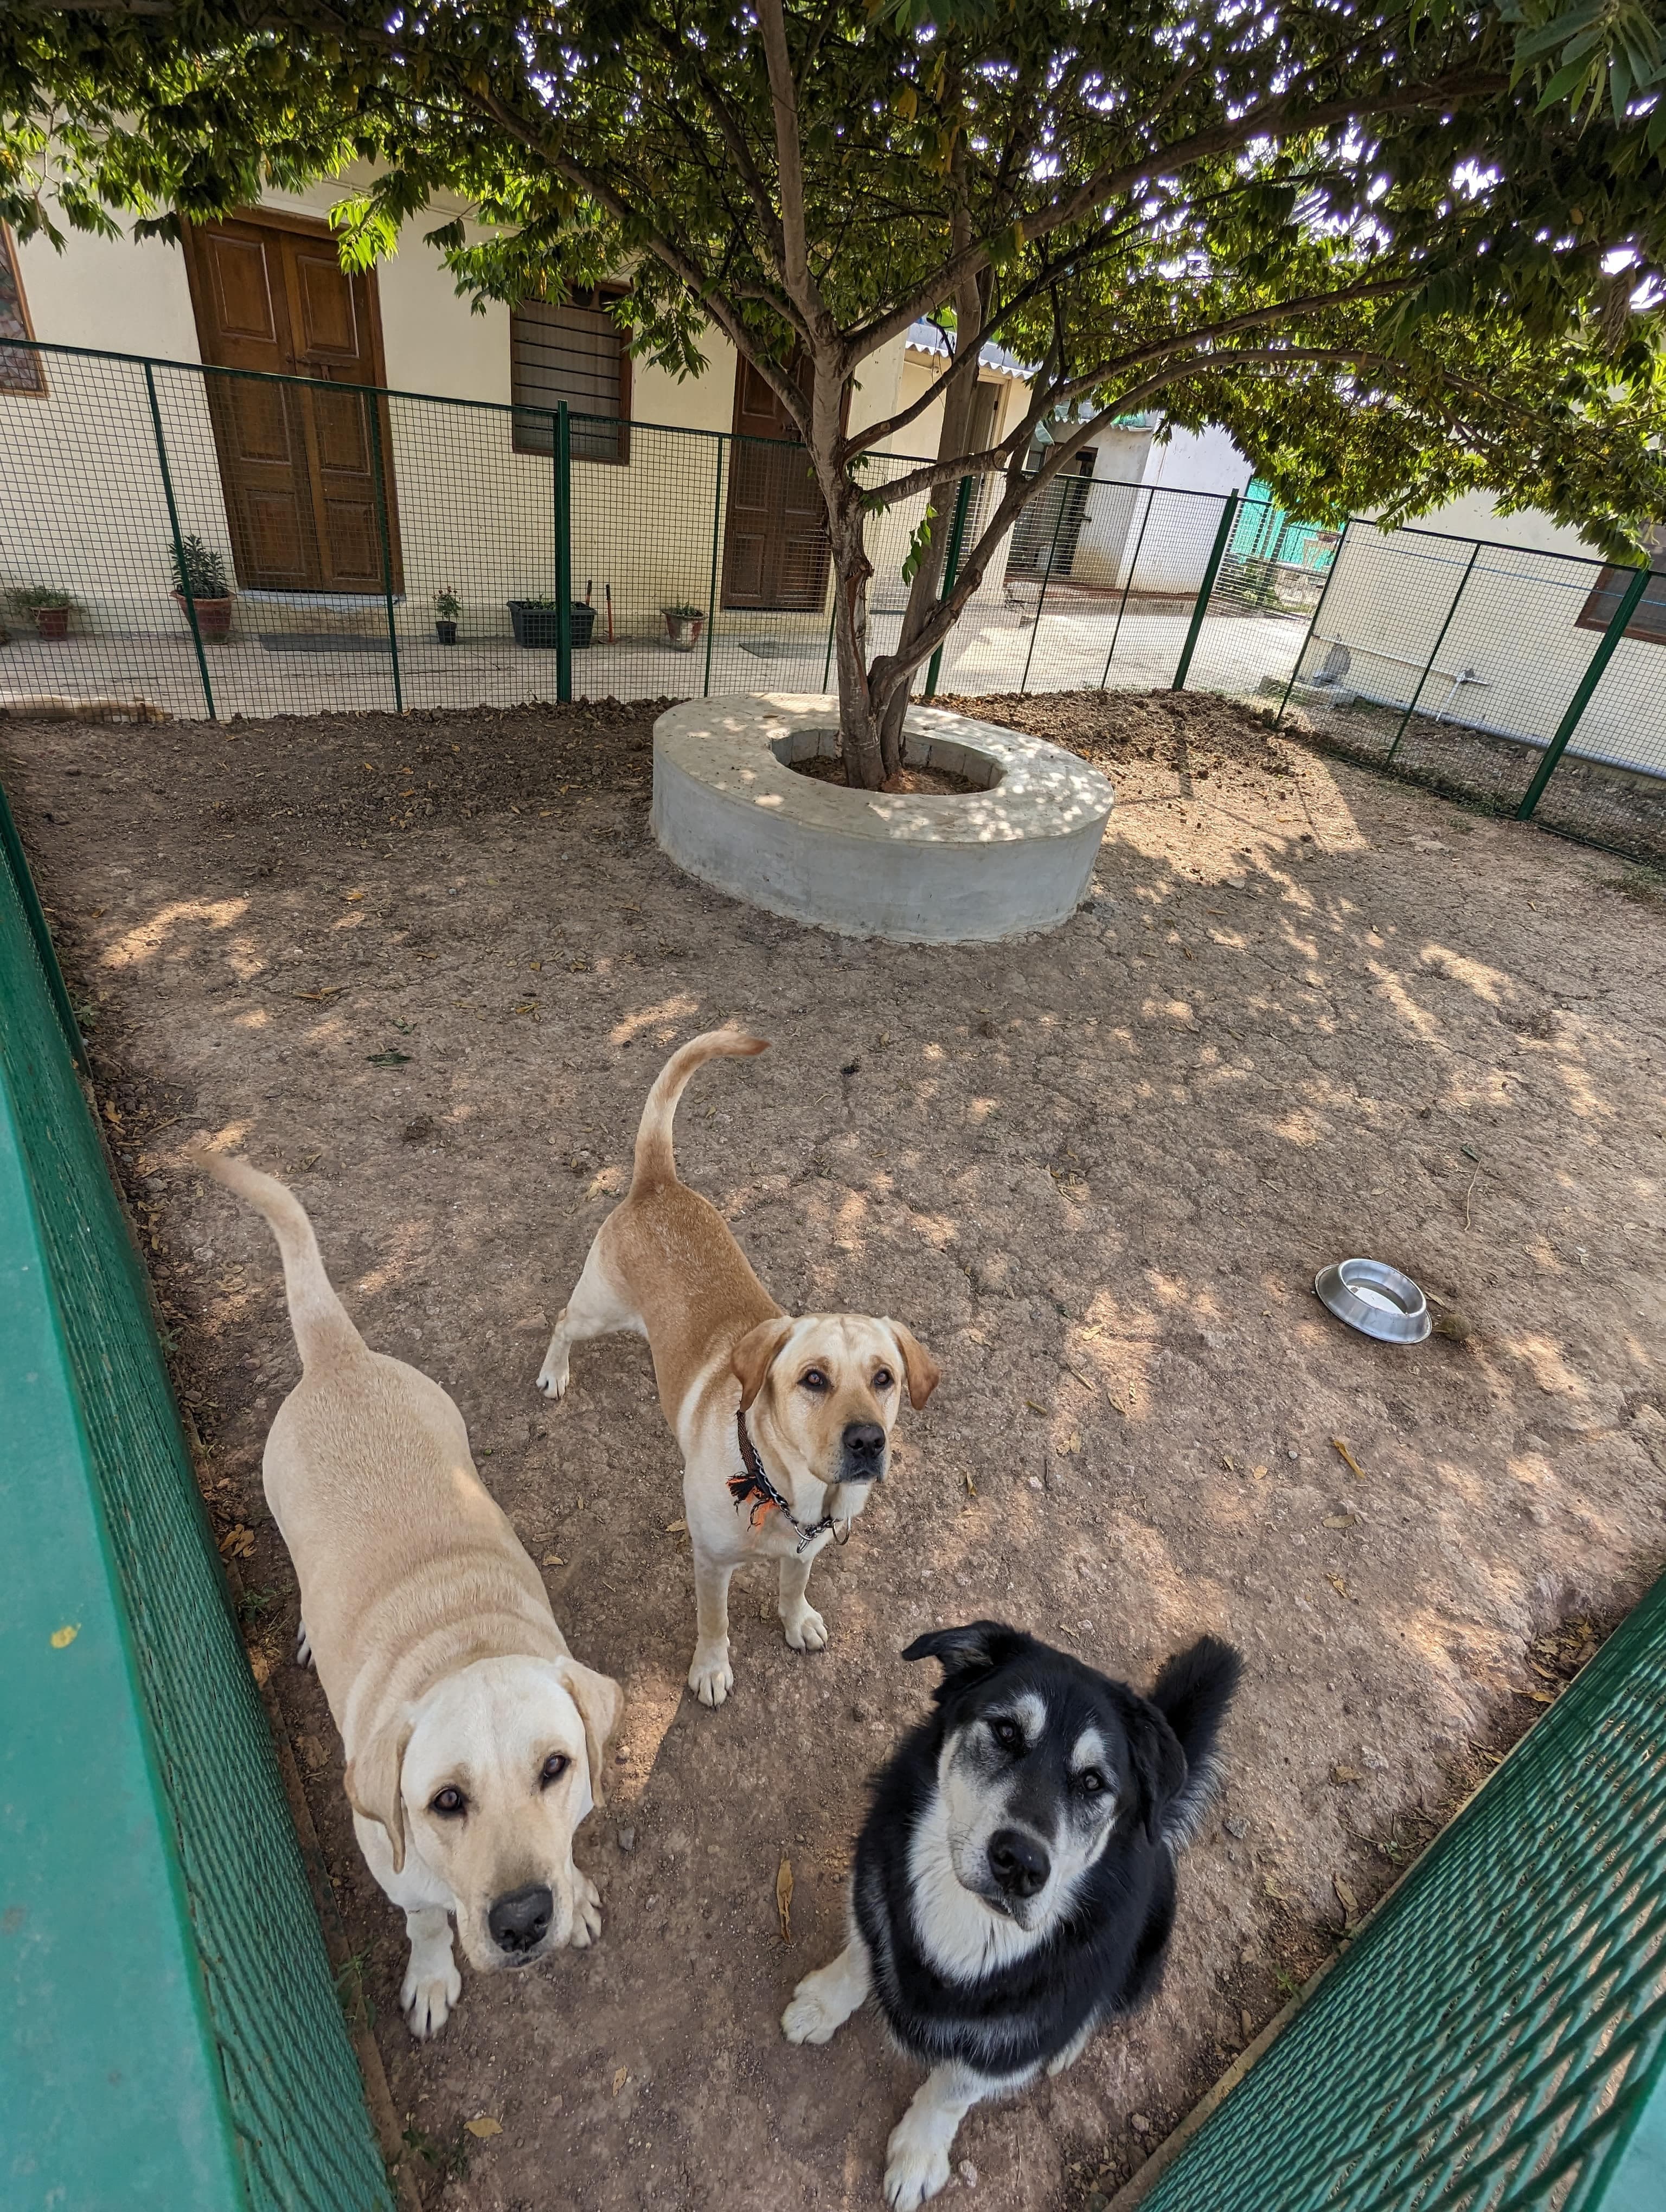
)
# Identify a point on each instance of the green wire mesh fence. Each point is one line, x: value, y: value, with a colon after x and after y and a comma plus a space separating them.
x: 1495, y: 2041
x: 347, y: 549
x: 172, y: 2037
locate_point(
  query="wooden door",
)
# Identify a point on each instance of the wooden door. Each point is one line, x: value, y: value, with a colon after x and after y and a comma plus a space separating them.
x: 297, y: 465
x: 775, y: 541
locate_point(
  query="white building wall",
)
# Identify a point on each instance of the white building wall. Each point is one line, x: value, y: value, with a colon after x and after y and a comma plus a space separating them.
x: 82, y: 501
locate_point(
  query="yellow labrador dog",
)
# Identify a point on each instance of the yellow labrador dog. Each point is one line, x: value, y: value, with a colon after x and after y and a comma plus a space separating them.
x: 784, y: 1424
x: 474, y: 1739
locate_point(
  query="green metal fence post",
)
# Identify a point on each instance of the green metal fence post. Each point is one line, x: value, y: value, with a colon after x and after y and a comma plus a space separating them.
x: 1608, y: 645
x: 1047, y: 578
x: 179, y: 545
x: 16, y: 861
x: 950, y: 570
x: 1318, y: 608
x: 563, y: 458
x: 1217, y: 555
x: 711, y: 588
x: 385, y: 534
x: 1121, y: 604
x: 1405, y: 720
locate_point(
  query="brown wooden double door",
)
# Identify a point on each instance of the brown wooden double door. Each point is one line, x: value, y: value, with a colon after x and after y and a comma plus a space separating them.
x: 298, y: 467
x: 775, y: 542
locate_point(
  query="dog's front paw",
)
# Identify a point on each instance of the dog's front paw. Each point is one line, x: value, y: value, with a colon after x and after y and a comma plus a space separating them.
x: 711, y: 1677
x: 806, y: 1629
x: 429, y: 1992
x: 807, y: 2019
x: 916, y: 2166
x: 553, y: 1380
x: 586, y: 1913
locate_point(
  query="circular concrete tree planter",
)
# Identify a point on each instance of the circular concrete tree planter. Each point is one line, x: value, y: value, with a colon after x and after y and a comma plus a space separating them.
x: 1009, y: 858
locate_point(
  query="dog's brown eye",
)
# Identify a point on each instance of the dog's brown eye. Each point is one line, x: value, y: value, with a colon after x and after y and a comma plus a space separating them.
x: 885, y: 1380
x: 1008, y: 1735
x: 554, y: 1767
x: 449, y: 1804
x: 1091, y: 1780
x: 813, y: 1379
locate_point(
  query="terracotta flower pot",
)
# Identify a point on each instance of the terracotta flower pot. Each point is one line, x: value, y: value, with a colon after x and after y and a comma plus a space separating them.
x: 213, y: 616
x: 684, y: 631
x: 52, y: 622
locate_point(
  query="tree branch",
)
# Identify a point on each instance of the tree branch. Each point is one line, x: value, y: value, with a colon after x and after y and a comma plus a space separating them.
x: 1272, y: 118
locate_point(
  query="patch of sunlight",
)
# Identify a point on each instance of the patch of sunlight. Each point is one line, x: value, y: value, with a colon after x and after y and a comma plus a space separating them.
x: 680, y: 1008
x: 148, y: 938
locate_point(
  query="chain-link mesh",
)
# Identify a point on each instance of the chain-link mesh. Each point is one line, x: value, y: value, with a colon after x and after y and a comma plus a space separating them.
x: 350, y: 549
x: 291, y: 2088
x: 1494, y: 2041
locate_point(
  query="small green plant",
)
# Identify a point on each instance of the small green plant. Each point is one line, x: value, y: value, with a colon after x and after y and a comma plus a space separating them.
x: 447, y: 604
x: 535, y: 602
x: 33, y: 599
x: 685, y: 611
x: 253, y: 1603
x: 356, y: 2003
x: 199, y: 572
x: 451, y: 2160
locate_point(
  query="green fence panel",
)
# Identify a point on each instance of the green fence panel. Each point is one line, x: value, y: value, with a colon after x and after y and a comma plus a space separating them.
x: 171, y: 2038
x: 1495, y: 2041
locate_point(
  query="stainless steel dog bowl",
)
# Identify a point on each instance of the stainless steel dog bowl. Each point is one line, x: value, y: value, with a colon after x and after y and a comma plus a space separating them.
x: 1376, y: 1299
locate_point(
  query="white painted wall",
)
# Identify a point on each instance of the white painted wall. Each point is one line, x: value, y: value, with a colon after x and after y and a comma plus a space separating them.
x: 81, y: 505
x: 1514, y: 633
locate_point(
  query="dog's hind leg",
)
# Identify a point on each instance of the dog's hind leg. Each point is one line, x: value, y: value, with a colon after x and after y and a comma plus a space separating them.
x: 806, y: 1629
x: 432, y: 1982
x: 917, y: 2155
x: 823, y: 2001
x: 596, y: 1308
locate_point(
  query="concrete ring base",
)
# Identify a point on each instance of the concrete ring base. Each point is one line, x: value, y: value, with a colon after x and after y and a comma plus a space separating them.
x: 1001, y: 861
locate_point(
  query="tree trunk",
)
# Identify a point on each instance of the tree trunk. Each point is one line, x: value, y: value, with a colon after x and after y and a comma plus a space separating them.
x: 859, y: 743
x: 971, y: 307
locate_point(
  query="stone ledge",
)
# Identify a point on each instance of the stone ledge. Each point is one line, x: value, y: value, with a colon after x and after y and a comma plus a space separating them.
x: 999, y: 862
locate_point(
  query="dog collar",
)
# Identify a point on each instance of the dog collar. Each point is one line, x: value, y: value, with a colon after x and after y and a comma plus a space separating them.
x: 753, y: 1484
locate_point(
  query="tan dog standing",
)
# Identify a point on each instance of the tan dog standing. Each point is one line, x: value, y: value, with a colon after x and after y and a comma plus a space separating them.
x: 474, y: 1738
x: 784, y: 1424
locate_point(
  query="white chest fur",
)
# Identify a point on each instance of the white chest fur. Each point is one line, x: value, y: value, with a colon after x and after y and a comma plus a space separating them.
x: 961, y: 1938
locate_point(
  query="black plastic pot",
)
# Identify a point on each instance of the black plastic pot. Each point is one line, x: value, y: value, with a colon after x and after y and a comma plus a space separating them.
x: 535, y: 624
x: 445, y: 632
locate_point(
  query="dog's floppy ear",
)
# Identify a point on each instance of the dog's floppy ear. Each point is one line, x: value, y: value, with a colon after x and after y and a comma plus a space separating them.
x: 918, y: 1368
x: 373, y: 1784
x: 1159, y: 1763
x: 600, y: 1701
x: 755, y: 1354
x: 966, y: 1652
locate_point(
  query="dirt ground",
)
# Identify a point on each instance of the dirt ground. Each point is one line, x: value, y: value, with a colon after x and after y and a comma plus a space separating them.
x: 427, y: 969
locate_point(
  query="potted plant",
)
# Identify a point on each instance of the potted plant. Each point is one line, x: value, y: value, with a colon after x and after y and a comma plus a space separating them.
x: 684, y: 623
x: 534, y: 623
x: 50, y: 607
x: 199, y: 582
x: 446, y: 608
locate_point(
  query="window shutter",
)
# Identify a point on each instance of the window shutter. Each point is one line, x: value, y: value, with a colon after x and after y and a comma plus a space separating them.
x: 575, y: 352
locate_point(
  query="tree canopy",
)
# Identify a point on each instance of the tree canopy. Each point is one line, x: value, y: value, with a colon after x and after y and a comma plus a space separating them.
x: 1399, y: 248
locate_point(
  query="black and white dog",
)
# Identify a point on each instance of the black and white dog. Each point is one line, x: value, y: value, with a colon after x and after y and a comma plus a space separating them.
x: 1014, y: 1884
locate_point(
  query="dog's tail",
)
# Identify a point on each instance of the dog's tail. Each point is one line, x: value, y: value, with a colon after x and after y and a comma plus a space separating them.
x: 316, y: 1314
x: 656, y: 1164
x: 1192, y: 1693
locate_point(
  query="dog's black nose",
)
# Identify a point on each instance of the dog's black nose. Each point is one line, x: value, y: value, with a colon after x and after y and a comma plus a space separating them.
x: 521, y: 1921
x: 864, y: 1443
x: 1018, y: 1863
